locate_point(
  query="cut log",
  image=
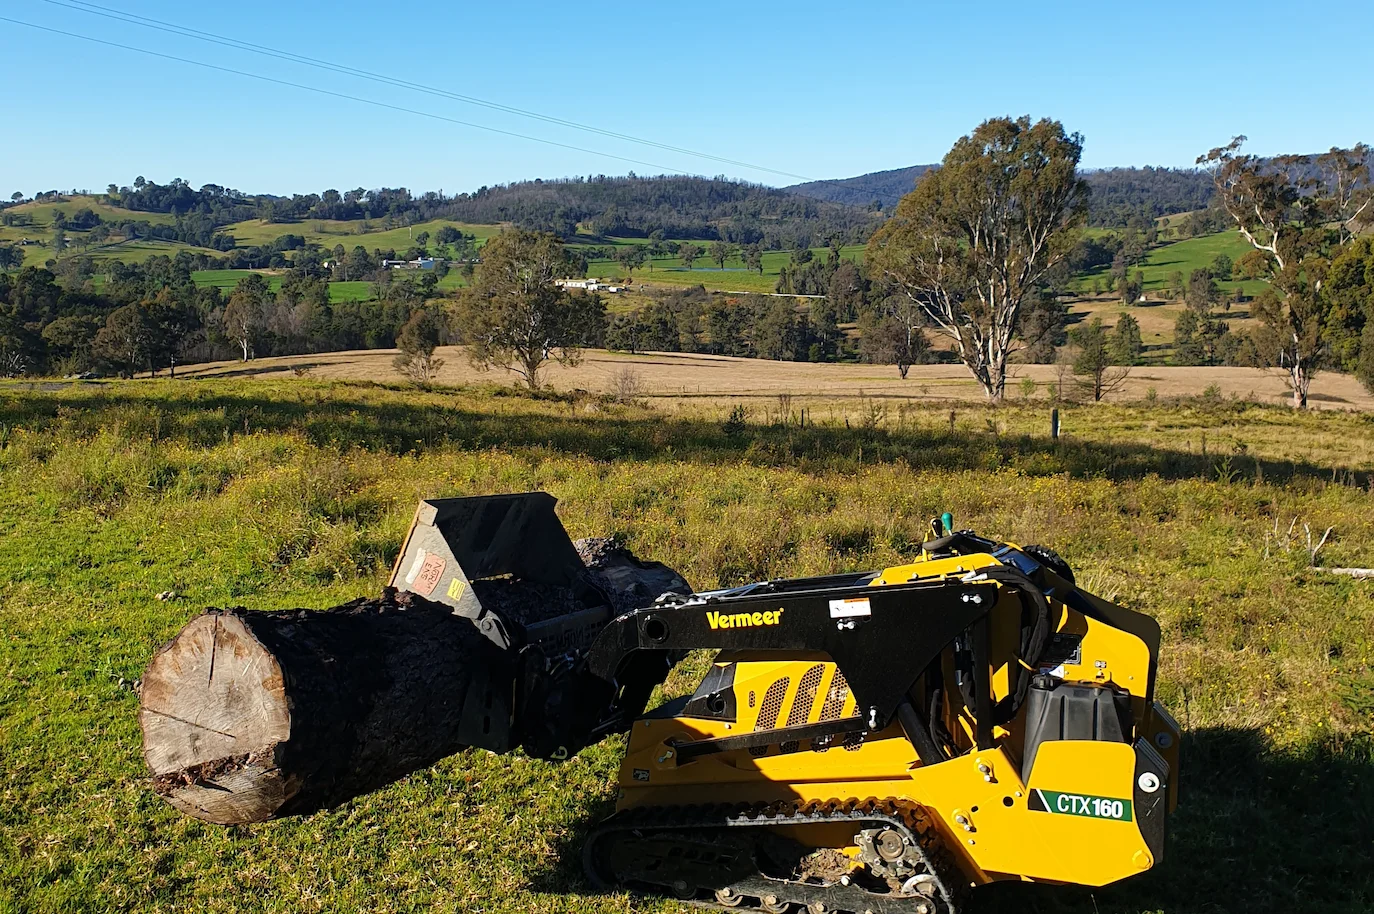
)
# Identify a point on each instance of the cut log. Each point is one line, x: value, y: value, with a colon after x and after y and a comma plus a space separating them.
x: 249, y: 716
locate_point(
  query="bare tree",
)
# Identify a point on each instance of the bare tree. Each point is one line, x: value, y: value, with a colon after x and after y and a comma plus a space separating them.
x: 244, y: 314
x: 1297, y: 221
x: 1345, y: 173
x: 894, y: 335
x: 978, y: 234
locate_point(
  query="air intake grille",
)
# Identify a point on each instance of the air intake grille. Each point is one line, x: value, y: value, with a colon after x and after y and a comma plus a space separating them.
x: 802, y: 704
x: 835, y: 698
x: 771, y: 708
x: 832, y: 708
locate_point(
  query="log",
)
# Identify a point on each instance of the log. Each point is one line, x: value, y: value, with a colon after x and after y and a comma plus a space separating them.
x: 249, y: 716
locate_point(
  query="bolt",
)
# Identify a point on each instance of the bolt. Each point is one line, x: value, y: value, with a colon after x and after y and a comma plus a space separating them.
x: 962, y: 820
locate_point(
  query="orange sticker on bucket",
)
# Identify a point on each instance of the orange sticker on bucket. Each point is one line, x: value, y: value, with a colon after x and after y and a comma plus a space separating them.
x: 428, y: 578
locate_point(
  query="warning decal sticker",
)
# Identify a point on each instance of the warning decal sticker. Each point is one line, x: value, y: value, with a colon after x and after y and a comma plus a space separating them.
x: 850, y: 607
x: 427, y: 578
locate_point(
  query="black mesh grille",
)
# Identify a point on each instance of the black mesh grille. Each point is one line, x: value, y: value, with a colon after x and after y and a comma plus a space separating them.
x: 832, y: 708
x: 835, y: 697
x: 801, y: 705
x: 771, y: 708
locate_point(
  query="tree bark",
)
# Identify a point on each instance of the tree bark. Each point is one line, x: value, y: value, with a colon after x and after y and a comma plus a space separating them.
x: 249, y: 716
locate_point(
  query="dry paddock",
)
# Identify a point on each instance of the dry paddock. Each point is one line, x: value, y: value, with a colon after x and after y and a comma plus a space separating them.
x: 707, y: 378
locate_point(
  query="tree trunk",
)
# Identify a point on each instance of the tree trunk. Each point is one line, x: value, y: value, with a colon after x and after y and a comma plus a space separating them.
x: 249, y: 716
x: 1300, y: 379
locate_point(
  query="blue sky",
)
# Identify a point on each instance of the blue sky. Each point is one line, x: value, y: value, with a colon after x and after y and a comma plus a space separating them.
x: 818, y: 90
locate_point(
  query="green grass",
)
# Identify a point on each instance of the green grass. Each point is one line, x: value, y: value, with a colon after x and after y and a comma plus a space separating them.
x: 734, y: 278
x: 297, y: 493
x: 328, y: 232
x: 127, y: 251
x: 225, y: 280
x: 42, y: 212
x: 1185, y: 257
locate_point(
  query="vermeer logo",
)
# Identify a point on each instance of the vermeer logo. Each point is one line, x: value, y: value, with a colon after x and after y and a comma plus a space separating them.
x: 718, y: 620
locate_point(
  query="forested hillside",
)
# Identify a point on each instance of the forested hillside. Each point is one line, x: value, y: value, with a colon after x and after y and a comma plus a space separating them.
x: 1119, y: 195
x: 673, y: 206
x: 882, y: 187
x: 666, y: 206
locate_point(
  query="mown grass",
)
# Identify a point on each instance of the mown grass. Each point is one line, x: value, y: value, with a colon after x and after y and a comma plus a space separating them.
x: 734, y: 277
x: 296, y: 493
x: 371, y: 234
x: 226, y: 280
x: 1184, y: 257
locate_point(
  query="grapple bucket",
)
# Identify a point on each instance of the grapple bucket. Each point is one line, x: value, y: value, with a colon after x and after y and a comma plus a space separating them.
x: 455, y: 541
x: 506, y: 563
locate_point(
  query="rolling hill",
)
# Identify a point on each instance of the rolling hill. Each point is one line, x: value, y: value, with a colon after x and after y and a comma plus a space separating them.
x: 887, y: 187
x: 1118, y: 194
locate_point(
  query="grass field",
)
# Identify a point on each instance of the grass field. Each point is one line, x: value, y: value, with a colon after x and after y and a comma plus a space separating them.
x: 1184, y: 257
x: 296, y: 493
x: 329, y: 232
x: 676, y: 380
x: 670, y: 271
x: 42, y: 212
x: 225, y: 280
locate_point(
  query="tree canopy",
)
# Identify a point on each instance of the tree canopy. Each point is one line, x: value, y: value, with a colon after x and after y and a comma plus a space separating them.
x: 978, y: 234
x: 515, y: 316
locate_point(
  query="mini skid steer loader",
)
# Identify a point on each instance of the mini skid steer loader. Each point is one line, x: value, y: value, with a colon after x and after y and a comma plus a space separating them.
x: 869, y: 742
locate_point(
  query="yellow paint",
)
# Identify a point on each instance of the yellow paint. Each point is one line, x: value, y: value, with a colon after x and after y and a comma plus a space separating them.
x: 977, y: 800
x: 719, y: 620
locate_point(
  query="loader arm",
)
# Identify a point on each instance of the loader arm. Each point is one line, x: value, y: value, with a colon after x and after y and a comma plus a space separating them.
x: 882, y: 639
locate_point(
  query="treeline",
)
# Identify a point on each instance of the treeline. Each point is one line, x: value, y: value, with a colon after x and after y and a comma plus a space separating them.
x: 1119, y: 195
x: 666, y: 206
x: 153, y: 316
x: 857, y: 318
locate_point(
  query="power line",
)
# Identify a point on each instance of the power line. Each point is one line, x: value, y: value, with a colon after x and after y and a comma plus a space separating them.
x: 342, y: 95
x: 185, y: 31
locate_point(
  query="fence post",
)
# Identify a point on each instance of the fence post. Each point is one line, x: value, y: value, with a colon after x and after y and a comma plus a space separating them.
x: 1054, y: 423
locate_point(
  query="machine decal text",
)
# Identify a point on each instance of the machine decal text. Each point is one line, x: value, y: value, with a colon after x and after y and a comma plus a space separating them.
x: 719, y: 620
x: 1077, y: 804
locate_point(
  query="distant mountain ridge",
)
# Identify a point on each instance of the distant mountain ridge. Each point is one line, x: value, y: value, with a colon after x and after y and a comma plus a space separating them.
x: 886, y: 187
x: 1118, y: 194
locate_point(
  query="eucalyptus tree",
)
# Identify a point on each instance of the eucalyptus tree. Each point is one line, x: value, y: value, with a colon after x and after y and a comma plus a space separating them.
x: 971, y: 244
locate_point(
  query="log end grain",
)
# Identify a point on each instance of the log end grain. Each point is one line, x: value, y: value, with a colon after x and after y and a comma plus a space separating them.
x: 214, y: 715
